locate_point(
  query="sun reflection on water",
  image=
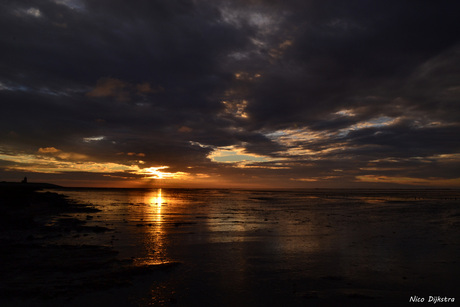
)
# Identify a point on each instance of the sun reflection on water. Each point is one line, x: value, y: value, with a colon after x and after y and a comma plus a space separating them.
x: 158, y: 200
x: 155, y: 234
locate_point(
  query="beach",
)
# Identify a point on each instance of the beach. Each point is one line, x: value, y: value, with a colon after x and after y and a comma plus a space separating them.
x: 204, y: 247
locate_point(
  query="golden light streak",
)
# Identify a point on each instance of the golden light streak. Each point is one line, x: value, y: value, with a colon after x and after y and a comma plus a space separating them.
x: 236, y: 108
x: 345, y: 112
x: 49, y: 162
x: 432, y: 181
x: 313, y: 179
x: 61, y: 154
x: 236, y: 155
x: 158, y: 200
x: 154, y: 237
x: 156, y: 173
x: 246, y: 76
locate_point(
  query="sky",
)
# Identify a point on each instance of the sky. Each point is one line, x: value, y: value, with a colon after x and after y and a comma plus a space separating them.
x: 231, y: 94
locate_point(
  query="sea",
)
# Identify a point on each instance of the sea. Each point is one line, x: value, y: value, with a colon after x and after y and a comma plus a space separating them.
x: 318, y: 247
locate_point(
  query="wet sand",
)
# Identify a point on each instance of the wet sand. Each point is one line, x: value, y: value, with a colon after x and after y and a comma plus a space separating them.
x: 37, y: 271
x: 230, y: 248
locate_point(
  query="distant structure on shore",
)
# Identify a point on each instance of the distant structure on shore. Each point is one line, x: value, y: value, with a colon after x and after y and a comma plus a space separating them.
x: 24, y: 184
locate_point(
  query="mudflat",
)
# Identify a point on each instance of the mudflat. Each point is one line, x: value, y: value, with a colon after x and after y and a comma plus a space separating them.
x: 167, y: 247
x: 37, y: 271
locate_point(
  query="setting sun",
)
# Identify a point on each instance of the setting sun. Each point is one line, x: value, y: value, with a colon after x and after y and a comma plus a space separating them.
x: 156, y: 173
x: 229, y: 153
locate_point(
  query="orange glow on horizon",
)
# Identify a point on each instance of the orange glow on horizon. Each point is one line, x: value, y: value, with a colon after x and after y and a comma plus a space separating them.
x: 157, y: 173
x: 434, y: 182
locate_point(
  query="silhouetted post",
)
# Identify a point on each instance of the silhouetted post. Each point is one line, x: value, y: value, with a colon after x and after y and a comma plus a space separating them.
x: 24, y: 180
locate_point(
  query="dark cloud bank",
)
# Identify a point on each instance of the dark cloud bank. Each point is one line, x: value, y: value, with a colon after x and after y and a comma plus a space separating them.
x: 282, y: 93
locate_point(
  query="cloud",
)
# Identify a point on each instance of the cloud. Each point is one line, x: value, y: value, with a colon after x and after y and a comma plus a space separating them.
x: 48, y: 150
x: 234, y: 89
x: 146, y: 88
x: 141, y: 154
x: 43, y: 164
x: 234, y: 154
x: 33, y: 12
x: 62, y: 155
x: 109, y: 87
x: 122, y: 91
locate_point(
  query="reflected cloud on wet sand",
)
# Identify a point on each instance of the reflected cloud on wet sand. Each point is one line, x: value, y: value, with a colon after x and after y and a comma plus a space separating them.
x: 241, y: 245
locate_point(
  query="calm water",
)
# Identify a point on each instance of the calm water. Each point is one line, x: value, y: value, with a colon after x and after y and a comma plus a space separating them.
x: 282, y: 248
